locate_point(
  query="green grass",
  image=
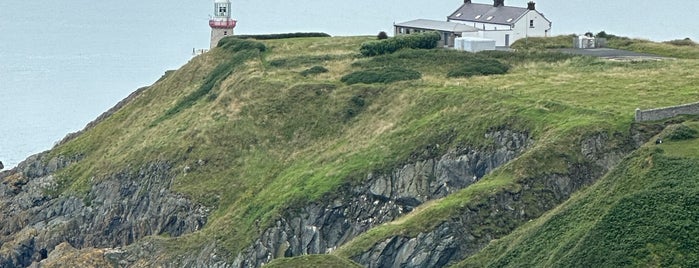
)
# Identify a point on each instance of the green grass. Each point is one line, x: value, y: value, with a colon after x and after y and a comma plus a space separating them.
x: 270, y: 140
x: 642, y: 214
x: 319, y: 261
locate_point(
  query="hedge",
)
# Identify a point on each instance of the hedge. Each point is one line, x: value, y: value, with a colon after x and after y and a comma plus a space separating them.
x: 280, y: 36
x: 427, y: 40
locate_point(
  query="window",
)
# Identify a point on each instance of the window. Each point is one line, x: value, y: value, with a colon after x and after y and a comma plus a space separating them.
x: 225, y: 33
x: 222, y: 10
x: 459, y: 15
x: 531, y: 23
x: 509, y: 20
x: 478, y: 17
x: 489, y: 18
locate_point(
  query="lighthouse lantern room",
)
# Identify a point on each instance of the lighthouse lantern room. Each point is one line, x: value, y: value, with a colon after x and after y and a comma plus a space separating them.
x: 221, y: 24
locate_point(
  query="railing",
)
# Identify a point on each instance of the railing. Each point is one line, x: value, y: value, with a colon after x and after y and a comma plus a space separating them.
x: 222, y: 23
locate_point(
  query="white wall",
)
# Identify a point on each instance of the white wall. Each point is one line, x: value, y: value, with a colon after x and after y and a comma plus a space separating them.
x: 520, y: 30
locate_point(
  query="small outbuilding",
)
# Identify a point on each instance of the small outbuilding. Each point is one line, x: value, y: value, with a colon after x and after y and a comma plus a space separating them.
x: 448, y: 30
x: 474, y: 44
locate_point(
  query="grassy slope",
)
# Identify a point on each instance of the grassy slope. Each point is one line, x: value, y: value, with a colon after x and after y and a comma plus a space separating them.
x: 269, y: 138
x: 319, y: 261
x: 642, y: 214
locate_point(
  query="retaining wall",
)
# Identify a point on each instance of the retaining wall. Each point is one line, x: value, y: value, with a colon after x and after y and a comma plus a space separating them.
x: 667, y: 112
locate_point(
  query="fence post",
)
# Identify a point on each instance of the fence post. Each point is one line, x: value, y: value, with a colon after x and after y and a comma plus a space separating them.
x: 639, y: 116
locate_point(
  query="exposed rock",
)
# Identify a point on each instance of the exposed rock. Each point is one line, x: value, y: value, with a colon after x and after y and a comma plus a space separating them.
x: 465, y: 234
x: 116, y: 211
x: 321, y: 227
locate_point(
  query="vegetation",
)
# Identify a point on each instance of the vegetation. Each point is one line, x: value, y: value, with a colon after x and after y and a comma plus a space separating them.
x: 328, y: 261
x: 479, y: 67
x: 381, y: 75
x: 258, y: 140
x: 640, y: 215
x: 280, y: 36
x: 314, y: 70
x: 539, y: 43
x: 426, y: 40
x: 382, y: 35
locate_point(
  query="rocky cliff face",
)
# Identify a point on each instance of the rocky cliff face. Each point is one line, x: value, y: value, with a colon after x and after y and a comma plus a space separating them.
x: 116, y: 211
x: 321, y: 227
x: 466, y: 233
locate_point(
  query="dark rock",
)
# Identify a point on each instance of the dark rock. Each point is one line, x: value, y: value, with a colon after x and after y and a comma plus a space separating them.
x: 117, y: 211
x: 321, y: 227
x: 462, y: 235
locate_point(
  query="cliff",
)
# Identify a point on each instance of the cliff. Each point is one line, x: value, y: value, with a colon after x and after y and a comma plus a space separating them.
x: 251, y: 154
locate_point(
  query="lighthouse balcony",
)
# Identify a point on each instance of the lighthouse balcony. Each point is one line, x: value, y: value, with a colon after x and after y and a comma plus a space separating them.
x: 222, y: 23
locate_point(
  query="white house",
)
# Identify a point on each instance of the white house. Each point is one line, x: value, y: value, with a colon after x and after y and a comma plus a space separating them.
x: 502, y: 23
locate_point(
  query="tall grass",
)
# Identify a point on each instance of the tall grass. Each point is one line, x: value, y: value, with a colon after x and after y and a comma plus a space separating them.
x: 257, y: 140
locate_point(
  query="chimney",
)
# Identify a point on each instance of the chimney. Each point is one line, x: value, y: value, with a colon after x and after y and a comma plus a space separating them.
x: 531, y: 5
x: 467, y: 1
x: 498, y: 3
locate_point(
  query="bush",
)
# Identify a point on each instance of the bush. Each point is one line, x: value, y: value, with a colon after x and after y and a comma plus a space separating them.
x: 281, y: 36
x: 234, y: 44
x: 682, y: 42
x: 381, y: 75
x: 417, y: 41
x: 314, y: 70
x: 480, y: 67
x: 382, y: 35
x: 682, y: 132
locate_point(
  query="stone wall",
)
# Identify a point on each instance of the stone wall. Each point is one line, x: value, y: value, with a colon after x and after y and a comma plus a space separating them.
x: 667, y: 112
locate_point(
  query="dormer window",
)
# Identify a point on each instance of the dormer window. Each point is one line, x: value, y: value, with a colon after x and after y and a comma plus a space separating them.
x: 509, y: 20
x: 459, y: 15
x: 478, y: 17
x: 489, y: 18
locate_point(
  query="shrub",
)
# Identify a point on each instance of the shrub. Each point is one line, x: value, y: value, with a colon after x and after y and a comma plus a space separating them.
x: 479, y: 67
x: 234, y: 44
x: 314, y: 70
x: 682, y: 42
x: 382, y: 35
x: 281, y: 36
x: 682, y: 132
x: 381, y: 75
x: 418, y: 41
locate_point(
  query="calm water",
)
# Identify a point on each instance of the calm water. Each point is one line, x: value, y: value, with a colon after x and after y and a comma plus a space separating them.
x: 62, y: 63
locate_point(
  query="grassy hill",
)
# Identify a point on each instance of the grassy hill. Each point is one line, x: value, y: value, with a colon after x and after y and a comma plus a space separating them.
x: 644, y: 214
x: 255, y: 128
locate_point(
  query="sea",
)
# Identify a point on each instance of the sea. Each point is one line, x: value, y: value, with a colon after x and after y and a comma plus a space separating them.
x: 63, y: 63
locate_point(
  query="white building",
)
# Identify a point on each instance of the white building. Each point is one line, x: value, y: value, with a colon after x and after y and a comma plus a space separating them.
x: 501, y: 23
x: 221, y: 24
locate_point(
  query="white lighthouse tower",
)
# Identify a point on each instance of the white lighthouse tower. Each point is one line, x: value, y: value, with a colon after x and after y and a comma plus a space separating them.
x: 221, y: 24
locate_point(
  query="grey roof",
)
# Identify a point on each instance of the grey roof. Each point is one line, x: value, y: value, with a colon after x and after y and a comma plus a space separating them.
x: 443, y: 26
x: 481, y: 12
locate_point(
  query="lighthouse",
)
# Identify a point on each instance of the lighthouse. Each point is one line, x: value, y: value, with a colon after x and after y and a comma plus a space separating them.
x: 221, y: 24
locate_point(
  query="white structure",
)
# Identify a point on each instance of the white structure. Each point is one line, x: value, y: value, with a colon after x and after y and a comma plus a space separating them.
x: 221, y: 24
x: 447, y: 30
x: 474, y: 44
x: 501, y: 23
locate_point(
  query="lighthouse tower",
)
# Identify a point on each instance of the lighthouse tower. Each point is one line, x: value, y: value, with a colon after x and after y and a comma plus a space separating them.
x: 221, y: 24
